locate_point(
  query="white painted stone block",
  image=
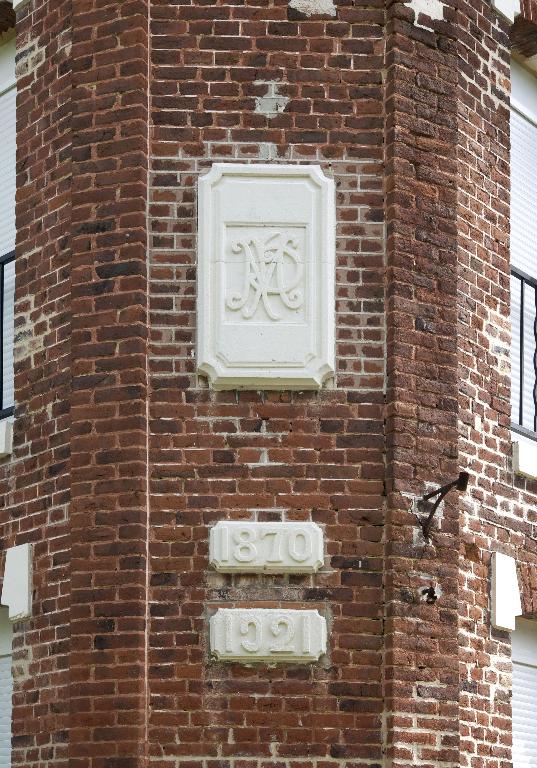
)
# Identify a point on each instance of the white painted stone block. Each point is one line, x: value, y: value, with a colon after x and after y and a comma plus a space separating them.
x: 314, y: 7
x: 505, y: 592
x: 509, y: 9
x: 434, y: 9
x: 266, y: 547
x: 6, y: 438
x: 266, y: 273
x: 525, y: 458
x: 17, y: 583
x: 268, y: 635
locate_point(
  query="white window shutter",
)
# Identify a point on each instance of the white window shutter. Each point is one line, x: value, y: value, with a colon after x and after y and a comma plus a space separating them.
x: 523, y: 193
x: 8, y: 96
x: 523, y: 235
x: 8, y: 148
x: 524, y: 699
x: 6, y: 689
x: 8, y: 331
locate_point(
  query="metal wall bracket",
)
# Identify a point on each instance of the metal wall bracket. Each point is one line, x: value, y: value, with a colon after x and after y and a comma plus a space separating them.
x: 461, y: 484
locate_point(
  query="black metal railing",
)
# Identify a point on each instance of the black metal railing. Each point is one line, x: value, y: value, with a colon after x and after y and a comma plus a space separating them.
x: 524, y: 353
x: 6, y: 330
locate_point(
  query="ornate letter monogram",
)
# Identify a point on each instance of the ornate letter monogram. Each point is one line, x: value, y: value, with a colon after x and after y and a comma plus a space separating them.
x: 266, y: 305
x: 273, y: 267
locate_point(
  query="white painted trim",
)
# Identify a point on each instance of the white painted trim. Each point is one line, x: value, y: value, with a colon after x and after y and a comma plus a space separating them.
x: 6, y: 438
x: 505, y: 592
x: 17, y: 583
x: 509, y: 9
x: 524, y: 642
x: 525, y: 458
x: 8, y: 52
x: 523, y: 92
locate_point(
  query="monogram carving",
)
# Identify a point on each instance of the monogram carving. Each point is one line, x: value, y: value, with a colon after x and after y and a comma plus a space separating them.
x: 273, y: 272
x: 266, y: 292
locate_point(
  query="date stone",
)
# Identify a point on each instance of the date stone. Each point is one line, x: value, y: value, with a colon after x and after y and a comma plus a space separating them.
x: 266, y: 547
x: 269, y: 635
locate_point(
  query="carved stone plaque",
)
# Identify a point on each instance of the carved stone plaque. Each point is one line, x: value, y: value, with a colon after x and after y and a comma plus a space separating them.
x: 267, y: 635
x: 266, y: 276
x: 266, y: 547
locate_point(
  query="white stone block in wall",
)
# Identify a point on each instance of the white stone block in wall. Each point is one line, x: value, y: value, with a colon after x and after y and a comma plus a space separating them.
x: 286, y: 547
x: 268, y: 635
x: 6, y: 438
x: 505, y: 592
x: 525, y: 458
x: 17, y: 583
x: 509, y: 9
x: 266, y: 274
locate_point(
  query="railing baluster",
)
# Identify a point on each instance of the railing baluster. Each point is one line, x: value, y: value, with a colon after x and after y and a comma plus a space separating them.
x: 7, y: 258
x: 526, y: 283
x: 2, y: 327
x: 521, y: 371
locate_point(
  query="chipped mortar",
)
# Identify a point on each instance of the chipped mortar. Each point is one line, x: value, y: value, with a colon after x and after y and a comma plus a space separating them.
x: 273, y: 102
x: 434, y: 9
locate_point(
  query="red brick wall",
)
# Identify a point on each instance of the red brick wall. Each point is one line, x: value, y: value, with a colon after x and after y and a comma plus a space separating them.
x: 109, y: 505
x: 266, y: 456
x: 487, y: 519
x: 498, y: 516
x: 421, y: 688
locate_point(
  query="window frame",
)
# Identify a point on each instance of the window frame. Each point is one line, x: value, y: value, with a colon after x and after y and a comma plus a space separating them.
x: 8, y: 83
x: 524, y: 104
x: 6, y: 652
x: 517, y: 426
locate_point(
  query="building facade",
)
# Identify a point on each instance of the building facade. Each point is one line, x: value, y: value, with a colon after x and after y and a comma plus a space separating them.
x: 121, y: 451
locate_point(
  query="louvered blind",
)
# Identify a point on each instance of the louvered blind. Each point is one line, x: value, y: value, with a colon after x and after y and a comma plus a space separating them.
x: 523, y: 300
x: 523, y: 245
x: 7, y: 277
x: 523, y: 193
x: 524, y: 700
x: 8, y: 95
x: 7, y: 170
x: 7, y: 220
x: 6, y: 689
